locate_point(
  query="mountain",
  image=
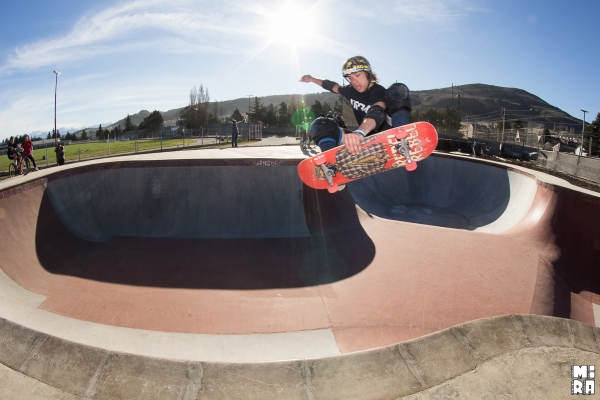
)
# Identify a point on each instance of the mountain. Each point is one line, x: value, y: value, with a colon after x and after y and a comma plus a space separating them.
x: 483, y: 103
x: 478, y: 103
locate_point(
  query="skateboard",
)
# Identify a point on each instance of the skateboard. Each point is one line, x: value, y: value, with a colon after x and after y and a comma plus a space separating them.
x: 402, y: 146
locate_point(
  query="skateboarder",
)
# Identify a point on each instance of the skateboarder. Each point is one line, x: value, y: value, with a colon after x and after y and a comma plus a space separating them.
x: 369, y: 101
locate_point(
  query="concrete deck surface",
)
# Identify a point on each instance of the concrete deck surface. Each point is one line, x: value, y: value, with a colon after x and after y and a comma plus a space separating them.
x: 223, y: 256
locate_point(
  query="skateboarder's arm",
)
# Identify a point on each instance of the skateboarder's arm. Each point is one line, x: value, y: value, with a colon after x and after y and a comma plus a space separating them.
x: 352, y: 140
x: 308, y: 79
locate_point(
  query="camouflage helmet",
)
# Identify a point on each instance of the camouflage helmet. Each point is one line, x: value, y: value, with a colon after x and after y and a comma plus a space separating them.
x: 356, y: 64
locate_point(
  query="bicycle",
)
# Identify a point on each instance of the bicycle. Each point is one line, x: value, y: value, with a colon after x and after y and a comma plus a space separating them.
x: 304, y: 140
x: 13, y: 171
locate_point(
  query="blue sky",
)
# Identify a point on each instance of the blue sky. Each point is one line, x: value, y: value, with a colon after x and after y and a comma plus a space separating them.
x: 118, y: 57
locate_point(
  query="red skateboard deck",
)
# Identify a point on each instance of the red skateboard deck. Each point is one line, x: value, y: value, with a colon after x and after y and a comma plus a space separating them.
x: 402, y: 146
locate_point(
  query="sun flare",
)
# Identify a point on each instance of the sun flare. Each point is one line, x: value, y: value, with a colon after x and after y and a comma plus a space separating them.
x: 291, y: 25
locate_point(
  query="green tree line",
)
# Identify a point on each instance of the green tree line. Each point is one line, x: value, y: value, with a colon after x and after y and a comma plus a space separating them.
x: 445, y: 121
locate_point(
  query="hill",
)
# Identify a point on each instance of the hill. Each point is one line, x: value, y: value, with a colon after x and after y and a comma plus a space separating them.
x: 478, y: 103
x: 483, y: 103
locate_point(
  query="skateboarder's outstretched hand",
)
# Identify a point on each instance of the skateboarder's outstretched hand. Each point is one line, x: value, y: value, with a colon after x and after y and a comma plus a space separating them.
x: 352, y: 142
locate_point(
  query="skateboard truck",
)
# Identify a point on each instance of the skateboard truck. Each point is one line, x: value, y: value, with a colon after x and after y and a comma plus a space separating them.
x: 403, y: 148
x: 329, y: 172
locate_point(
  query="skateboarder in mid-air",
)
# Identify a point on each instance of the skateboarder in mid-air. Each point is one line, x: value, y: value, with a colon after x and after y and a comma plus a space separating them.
x: 370, y: 103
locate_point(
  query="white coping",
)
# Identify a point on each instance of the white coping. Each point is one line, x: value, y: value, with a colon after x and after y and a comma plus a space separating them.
x: 21, y: 306
x: 596, y: 309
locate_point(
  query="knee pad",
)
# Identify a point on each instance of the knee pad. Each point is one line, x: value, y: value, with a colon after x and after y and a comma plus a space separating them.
x: 398, y: 104
x: 325, y: 128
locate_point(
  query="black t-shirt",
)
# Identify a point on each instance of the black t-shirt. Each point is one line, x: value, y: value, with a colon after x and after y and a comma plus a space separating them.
x: 12, y: 149
x: 361, y: 102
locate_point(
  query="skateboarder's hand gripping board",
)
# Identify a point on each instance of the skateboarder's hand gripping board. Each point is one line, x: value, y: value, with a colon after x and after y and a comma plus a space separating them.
x: 398, y: 147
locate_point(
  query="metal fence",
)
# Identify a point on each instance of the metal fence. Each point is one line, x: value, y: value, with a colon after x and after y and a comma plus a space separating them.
x: 45, y: 155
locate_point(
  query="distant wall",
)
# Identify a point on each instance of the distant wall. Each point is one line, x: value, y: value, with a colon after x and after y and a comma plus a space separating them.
x: 583, y: 167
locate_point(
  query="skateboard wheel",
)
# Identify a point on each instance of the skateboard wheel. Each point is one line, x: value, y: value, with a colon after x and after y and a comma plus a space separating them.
x: 333, y: 189
x: 401, y: 135
x: 412, y: 166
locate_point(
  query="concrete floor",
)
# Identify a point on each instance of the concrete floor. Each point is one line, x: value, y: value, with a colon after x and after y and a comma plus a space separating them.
x: 185, y: 256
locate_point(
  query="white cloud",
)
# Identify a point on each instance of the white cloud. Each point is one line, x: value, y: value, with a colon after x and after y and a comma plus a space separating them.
x: 159, y: 25
x: 186, y: 25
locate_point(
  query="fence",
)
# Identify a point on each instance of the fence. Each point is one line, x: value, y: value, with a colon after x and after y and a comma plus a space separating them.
x: 80, y: 150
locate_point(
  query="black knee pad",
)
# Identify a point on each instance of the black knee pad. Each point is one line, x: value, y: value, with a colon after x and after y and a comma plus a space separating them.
x: 397, y: 97
x: 398, y: 104
x: 322, y: 128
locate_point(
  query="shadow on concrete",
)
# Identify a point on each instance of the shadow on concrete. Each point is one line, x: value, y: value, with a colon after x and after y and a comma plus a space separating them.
x: 337, y: 248
x: 441, y: 192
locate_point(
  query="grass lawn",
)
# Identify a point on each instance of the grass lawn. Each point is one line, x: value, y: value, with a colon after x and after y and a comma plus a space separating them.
x: 76, y: 151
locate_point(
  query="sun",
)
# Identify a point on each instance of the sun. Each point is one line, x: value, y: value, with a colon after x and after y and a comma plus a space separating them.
x: 291, y: 24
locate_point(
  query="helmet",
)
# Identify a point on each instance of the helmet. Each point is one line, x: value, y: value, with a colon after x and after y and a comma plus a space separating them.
x: 355, y: 64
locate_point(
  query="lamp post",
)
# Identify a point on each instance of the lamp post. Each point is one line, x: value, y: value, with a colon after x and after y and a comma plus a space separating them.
x: 582, y: 131
x: 531, y: 109
x: 249, y: 96
x: 196, y: 115
x: 55, y: 89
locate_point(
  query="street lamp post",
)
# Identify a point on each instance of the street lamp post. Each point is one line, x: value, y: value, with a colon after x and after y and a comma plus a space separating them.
x: 249, y: 96
x: 60, y: 153
x: 582, y: 131
x: 196, y: 115
x: 55, y: 89
x: 531, y: 109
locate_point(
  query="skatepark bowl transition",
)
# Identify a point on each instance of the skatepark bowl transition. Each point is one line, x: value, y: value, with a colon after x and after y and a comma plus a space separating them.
x: 218, y: 274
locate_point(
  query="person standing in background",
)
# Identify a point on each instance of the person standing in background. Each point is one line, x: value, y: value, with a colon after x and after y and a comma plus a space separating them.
x: 234, y: 134
x: 28, y: 148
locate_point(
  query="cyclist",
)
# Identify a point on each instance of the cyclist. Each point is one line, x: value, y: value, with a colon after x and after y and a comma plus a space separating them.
x: 14, y: 153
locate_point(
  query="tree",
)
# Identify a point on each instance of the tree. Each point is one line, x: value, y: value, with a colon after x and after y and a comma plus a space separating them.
x: 451, y: 120
x: 415, y: 116
x: 503, y: 125
x: 258, y: 112
x: 197, y: 113
x: 283, y: 115
x: 215, y: 112
x: 236, y: 115
x: 592, y: 131
x: 129, y: 126
x: 203, y: 103
x: 84, y: 135
x: 317, y: 108
x: 271, y: 115
x: 152, y: 122
x: 100, y: 133
x: 294, y: 103
x: 338, y: 105
x: 49, y: 136
x: 518, y: 124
